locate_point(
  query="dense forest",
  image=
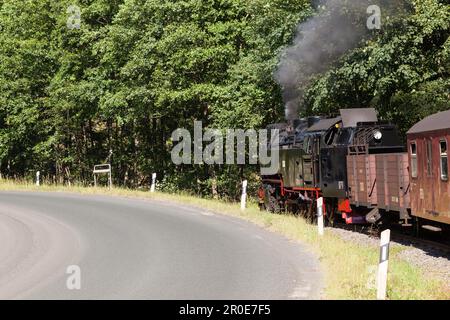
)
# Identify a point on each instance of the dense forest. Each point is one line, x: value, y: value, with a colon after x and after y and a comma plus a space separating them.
x: 84, y: 82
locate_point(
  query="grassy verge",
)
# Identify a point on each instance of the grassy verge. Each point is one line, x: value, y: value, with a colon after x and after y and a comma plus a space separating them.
x: 348, y: 267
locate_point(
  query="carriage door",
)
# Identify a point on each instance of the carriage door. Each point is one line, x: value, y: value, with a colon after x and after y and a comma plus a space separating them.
x: 430, y: 176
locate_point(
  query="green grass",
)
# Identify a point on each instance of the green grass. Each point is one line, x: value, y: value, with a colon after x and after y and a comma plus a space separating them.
x: 346, y: 265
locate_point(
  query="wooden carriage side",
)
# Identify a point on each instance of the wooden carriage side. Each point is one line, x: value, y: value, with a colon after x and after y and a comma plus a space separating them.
x: 428, y: 153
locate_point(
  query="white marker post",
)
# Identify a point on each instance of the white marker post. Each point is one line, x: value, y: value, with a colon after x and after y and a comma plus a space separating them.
x: 153, y: 187
x: 38, y: 175
x: 384, y: 264
x: 320, y: 215
x: 244, y: 195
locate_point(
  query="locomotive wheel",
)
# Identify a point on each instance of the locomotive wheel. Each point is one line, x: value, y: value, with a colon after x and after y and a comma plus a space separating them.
x: 262, y: 207
x: 273, y: 206
x: 330, y: 219
x: 312, y: 213
x: 295, y: 209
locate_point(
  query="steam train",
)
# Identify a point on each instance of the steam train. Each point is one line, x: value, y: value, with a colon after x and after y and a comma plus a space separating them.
x: 363, y: 171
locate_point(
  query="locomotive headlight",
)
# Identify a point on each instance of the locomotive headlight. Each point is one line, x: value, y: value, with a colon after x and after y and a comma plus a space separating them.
x: 378, y: 135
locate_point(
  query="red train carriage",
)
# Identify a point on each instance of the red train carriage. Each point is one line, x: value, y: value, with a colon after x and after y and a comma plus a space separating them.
x: 428, y: 149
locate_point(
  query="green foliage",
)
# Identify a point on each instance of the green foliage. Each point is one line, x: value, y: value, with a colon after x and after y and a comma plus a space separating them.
x: 403, y: 71
x: 27, y: 66
x: 116, y: 88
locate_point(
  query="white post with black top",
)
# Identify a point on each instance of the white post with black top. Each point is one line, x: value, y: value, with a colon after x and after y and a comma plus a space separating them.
x: 320, y: 223
x: 384, y: 264
x: 244, y: 195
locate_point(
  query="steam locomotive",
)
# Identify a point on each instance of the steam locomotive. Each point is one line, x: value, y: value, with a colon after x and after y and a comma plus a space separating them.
x: 363, y: 170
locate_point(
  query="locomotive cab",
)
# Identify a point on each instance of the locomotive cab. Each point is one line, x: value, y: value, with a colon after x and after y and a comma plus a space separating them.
x: 333, y: 151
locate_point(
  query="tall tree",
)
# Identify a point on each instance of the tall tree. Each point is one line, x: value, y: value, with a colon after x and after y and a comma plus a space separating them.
x: 403, y: 72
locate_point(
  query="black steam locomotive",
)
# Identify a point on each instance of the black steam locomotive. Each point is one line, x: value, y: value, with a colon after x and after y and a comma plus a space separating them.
x: 321, y: 157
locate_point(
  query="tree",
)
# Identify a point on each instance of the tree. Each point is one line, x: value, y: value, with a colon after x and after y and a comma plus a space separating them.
x: 114, y: 88
x: 403, y: 72
x: 26, y: 69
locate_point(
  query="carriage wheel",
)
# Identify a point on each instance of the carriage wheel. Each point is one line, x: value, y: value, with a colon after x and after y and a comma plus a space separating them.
x: 416, y: 227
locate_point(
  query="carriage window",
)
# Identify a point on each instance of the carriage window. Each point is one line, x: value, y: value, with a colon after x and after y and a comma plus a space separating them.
x: 444, y: 160
x: 414, y: 160
x: 429, y: 158
x: 343, y: 137
x: 329, y: 137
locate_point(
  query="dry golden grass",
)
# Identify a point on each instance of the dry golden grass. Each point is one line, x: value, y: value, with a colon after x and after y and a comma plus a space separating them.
x: 347, y: 266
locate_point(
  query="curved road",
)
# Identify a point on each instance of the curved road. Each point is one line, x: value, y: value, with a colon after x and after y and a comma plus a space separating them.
x: 142, y: 249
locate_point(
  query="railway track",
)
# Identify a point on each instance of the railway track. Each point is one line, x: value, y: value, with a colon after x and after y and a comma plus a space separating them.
x: 429, y: 242
x: 435, y: 243
x: 425, y: 244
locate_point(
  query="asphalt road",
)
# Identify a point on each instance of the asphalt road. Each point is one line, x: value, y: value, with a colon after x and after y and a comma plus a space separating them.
x: 141, y: 249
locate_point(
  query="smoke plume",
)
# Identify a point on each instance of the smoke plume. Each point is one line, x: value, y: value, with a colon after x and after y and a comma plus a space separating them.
x: 319, y: 42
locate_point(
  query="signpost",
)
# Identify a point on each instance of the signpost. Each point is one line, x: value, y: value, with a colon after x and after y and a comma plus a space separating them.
x: 103, y: 169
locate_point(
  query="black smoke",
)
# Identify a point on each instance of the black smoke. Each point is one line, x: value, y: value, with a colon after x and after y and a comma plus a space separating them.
x: 320, y: 41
